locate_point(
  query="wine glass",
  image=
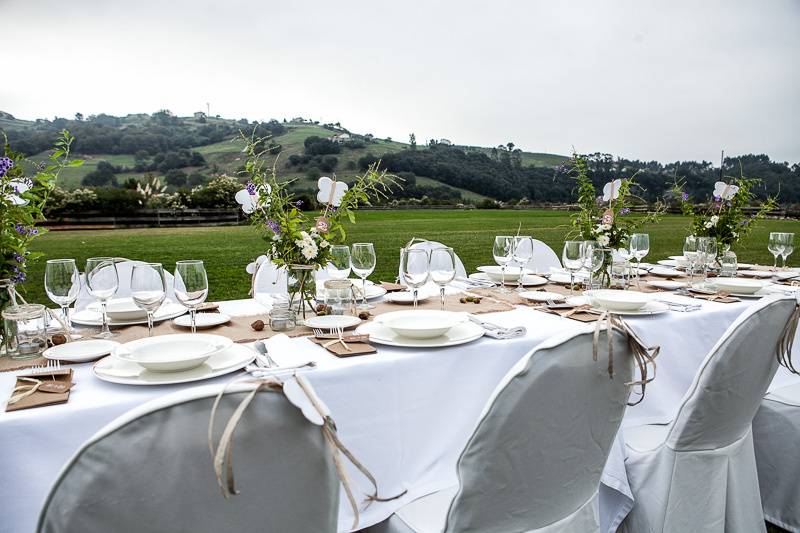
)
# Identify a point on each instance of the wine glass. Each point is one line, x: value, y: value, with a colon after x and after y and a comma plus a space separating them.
x: 788, y: 246
x: 775, y: 246
x: 148, y: 289
x: 442, y: 268
x: 502, y: 251
x: 522, y: 254
x: 690, y: 253
x: 415, y: 264
x: 339, y: 264
x: 62, y: 282
x: 102, y: 282
x: 191, y: 286
x: 639, y: 247
x: 362, y: 259
x: 586, y: 257
x: 572, y: 260
x: 706, y: 253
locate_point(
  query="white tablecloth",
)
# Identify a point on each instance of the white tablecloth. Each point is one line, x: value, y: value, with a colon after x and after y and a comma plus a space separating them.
x: 405, y: 413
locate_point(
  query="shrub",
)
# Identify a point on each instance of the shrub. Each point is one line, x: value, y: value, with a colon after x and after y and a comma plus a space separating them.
x: 220, y: 192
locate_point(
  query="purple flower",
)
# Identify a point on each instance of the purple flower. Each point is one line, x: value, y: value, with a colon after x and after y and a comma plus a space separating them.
x: 21, y: 229
x: 744, y: 222
x: 19, y: 278
x: 684, y: 196
x: 6, y: 164
x: 624, y: 211
x: 251, y: 188
x: 18, y: 258
x: 33, y: 231
x: 274, y: 226
x: 299, y: 203
x: 717, y: 198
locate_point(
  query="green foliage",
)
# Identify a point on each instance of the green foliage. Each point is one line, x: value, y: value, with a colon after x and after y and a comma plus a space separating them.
x: 217, y: 194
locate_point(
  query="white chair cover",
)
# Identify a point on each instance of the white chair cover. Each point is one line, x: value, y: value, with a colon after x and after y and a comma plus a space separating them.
x: 124, y: 268
x: 270, y: 281
x: 151, y: 471
x: 698, y: 473
x: 776, y: 432
x: 535, y: 459
x: 544, y: 258
x: 431, y: 245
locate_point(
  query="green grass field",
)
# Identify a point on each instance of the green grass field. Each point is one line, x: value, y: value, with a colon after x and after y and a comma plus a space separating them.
x: 227, y: 250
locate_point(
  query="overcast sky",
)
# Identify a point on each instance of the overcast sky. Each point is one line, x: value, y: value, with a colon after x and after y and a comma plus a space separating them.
x: 642, y: 79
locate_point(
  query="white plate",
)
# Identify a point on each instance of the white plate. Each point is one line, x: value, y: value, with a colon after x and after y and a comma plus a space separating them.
x: 618, y: 300
x: 81, y: 351
x: 461, y: 334
x: 528, y: 280
x: 669, y: 263
x: 403, y: 297
x: 679, y: 258
x: 202, y: 320
x: 332, y: 321
x: 786, y: 275
x: 667, y: 272
x: 172, y: 353
x: 541, y: 296
x: 738, y: 285
x: 495, y: 272
x: 373, y: 291
x: 667, y: 284
x: 562, y: 279
x: 745, y: 265
x: 652, y: 308
x: 121, y: 309
x: 755, y: 274
x: 128, y: 373
x: 421, y: 323
x: 88, y: 317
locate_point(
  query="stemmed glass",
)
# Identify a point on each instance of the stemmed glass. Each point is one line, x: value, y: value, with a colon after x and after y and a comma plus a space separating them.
x: 415, y: 264
x: 442, y: 268
x: 639, y: 247
x: 788, y: 246
x: 191, y: 286
x: 362, y: 259
x: 62, y: 282
x: 572, y: 259
x: 148, y: 289
x: 706, y: 254
x: 102, y: 282
x: 690, y: 252
x: 502, y: 251
x: 339, y: 265
x: 775, y: 246
x: 522, y: 254
x: 587, y: 248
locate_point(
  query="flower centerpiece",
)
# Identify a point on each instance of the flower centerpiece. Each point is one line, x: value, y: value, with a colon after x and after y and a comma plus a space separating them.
x: 295, y: 240
x: 605, y: 218
x: 22, y: 201
x: 724, y: 218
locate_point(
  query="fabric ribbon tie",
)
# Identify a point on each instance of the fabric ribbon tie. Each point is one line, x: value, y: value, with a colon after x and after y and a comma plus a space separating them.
x: 23, y: 391
x: 253, y: 279
x: 642, y: 354
x: 786, y: 341
x: 340, y: 340
x: 223, y: 454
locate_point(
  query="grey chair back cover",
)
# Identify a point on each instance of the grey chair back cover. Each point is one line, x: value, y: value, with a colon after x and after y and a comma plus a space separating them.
x: 540, y: 446
x: 151, y: 471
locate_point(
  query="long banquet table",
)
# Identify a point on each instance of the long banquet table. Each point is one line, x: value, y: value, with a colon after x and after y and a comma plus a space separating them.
x: 405, y: 413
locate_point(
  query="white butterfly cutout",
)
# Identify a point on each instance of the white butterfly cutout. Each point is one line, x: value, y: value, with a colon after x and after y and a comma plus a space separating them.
x: 298, y: 397
x: 16, y: 187
x: 724, y: 190
x: 251, y: 202
x: 611, y: 190
x: 330, y: 191
x: 255, y: 265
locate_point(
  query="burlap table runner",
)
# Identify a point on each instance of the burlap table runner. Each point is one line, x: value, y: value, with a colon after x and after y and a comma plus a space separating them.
x: 7, y: 364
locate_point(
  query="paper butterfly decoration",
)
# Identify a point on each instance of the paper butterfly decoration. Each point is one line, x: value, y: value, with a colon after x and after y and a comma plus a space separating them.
x: 250, y: 202
x: 331, y: 191
x: 16, y: 187
x: 724, y: 190
x: 611, y: 190
x: 298, y: 397
x: 253, y: 267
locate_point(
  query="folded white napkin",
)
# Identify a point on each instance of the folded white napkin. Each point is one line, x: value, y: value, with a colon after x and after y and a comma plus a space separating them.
x: 285, y: 353
x: 498, y: 332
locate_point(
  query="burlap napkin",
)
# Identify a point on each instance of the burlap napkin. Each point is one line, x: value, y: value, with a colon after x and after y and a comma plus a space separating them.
x: 392, y: 287
x: 41, y: 398
x: 337, y: 349
x: 7, y: 364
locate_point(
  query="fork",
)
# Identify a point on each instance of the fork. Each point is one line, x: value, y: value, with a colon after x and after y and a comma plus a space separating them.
x: 49, y: 367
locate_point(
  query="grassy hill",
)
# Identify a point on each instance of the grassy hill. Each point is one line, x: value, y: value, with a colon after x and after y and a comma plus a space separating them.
x: 226, y: 156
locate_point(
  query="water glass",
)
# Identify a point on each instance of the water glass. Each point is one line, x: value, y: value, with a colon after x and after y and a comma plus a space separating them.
x: 522, y: 255
x: 339, y: 264
x: 728, y: 265
x: 415, y: 265
x: 62, y: 283
x: 26, y: 330
x: 706, y: 254
x: 362, y: 260
x: 442, y: 269
x: 691, y: 254
x: 148, y: 289
x: 502, y: 250
x: 191, y: 286
x: 102, y: 282
x: 572, y: 260
x: 775, y: 246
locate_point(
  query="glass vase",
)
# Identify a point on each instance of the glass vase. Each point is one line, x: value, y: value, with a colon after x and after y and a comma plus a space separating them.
x: 302, y: 287
x: 8, y: 297
x: 605, y: 275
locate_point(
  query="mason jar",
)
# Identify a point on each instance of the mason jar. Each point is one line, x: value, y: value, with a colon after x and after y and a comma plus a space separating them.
x: 339, y: 296
x: 282, y: 317
x: 26, y: 335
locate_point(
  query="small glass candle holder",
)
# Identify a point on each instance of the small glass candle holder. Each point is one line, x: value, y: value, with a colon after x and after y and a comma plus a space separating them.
x: 26, y: 334
x: 339, y: 296
x: 282, y: 317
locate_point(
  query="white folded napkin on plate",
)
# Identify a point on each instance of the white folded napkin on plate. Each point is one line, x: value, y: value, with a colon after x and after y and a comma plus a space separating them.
x: 285, y: 352
x: 498, y: 332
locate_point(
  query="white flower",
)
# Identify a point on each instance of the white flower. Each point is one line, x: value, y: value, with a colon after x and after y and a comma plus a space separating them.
x: 712, y: 222
x: 735, y: 235
x: 605, y: 227
x: 17, y: 187
x: 603, y: 240
x: 323, y: 244
x: 307, y: 246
